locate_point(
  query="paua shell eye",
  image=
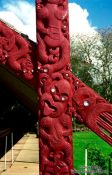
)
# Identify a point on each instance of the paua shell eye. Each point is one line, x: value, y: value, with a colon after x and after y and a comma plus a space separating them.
x: 53, y: 90
x: 86, y: 103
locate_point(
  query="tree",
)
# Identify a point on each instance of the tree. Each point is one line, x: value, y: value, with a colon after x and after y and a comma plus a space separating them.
x: 103, y: 70
x: 91, y: 58
x: 97, y: 161
x: 80, y: 59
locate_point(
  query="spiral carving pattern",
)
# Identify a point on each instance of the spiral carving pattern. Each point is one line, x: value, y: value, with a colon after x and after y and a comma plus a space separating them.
x: 92, y: 110
x: 17, y: 53
x: 61, y: 94
x: 54, y: 88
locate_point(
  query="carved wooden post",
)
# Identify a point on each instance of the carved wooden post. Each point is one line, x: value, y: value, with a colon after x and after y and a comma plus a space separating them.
x: 54, y: 88
x: 60, y: 92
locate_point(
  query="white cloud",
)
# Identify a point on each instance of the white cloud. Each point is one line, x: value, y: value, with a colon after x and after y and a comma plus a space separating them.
x: 21, y: 14
x: 78, y: 20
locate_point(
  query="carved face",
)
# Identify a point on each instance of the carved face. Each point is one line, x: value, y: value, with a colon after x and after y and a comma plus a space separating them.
x: 27, y: 67
x: 55, y: 101
x: 84, y: 97
x: 56, y: 155
x: 61, y: 90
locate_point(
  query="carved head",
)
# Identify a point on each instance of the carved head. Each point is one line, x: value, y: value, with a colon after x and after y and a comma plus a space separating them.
x: 55, y: 100
x: 61, y: 90
x: 27, y: 68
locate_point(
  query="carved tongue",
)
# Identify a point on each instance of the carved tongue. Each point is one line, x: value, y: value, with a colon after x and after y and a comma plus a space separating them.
x: 47, y: 109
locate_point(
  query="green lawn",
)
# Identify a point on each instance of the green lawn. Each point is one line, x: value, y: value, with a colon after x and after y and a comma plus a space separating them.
x: 81, y: 140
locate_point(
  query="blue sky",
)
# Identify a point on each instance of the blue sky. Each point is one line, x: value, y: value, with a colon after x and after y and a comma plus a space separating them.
x: 100, y: 11
x: 84, y: 15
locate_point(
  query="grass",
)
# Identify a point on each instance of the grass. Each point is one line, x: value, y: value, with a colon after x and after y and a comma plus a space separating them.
x: 81, y: 140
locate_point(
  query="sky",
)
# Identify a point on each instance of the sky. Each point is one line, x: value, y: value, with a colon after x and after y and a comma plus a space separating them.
x: 100, y: 11
x: 84, y: 15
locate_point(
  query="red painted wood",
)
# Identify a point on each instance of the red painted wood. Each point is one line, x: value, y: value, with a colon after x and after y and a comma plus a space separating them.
x: 54, y: 88
x: 61, y: 94
x: 17, y: 54
x: 92, y: 110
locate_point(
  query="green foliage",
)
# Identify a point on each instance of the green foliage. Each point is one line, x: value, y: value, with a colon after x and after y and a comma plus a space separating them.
x: 97, y: 159
x: 80, y: 66
x: 82, y: 140
x: 110, y: 155
x: 91, y: 59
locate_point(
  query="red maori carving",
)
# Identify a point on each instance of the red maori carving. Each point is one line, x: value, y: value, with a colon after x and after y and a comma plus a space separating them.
x: 53, y: 44
x: 91, y: 109
x: 61, y: 94
x: 17, y: 53
x: 54, y: 88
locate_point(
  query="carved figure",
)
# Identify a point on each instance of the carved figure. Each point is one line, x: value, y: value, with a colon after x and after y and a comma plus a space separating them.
x: 53, y: 46
x: 16, y: 53
x: 92, y: 110
x: 54, y: 88
x: 61, y: 94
